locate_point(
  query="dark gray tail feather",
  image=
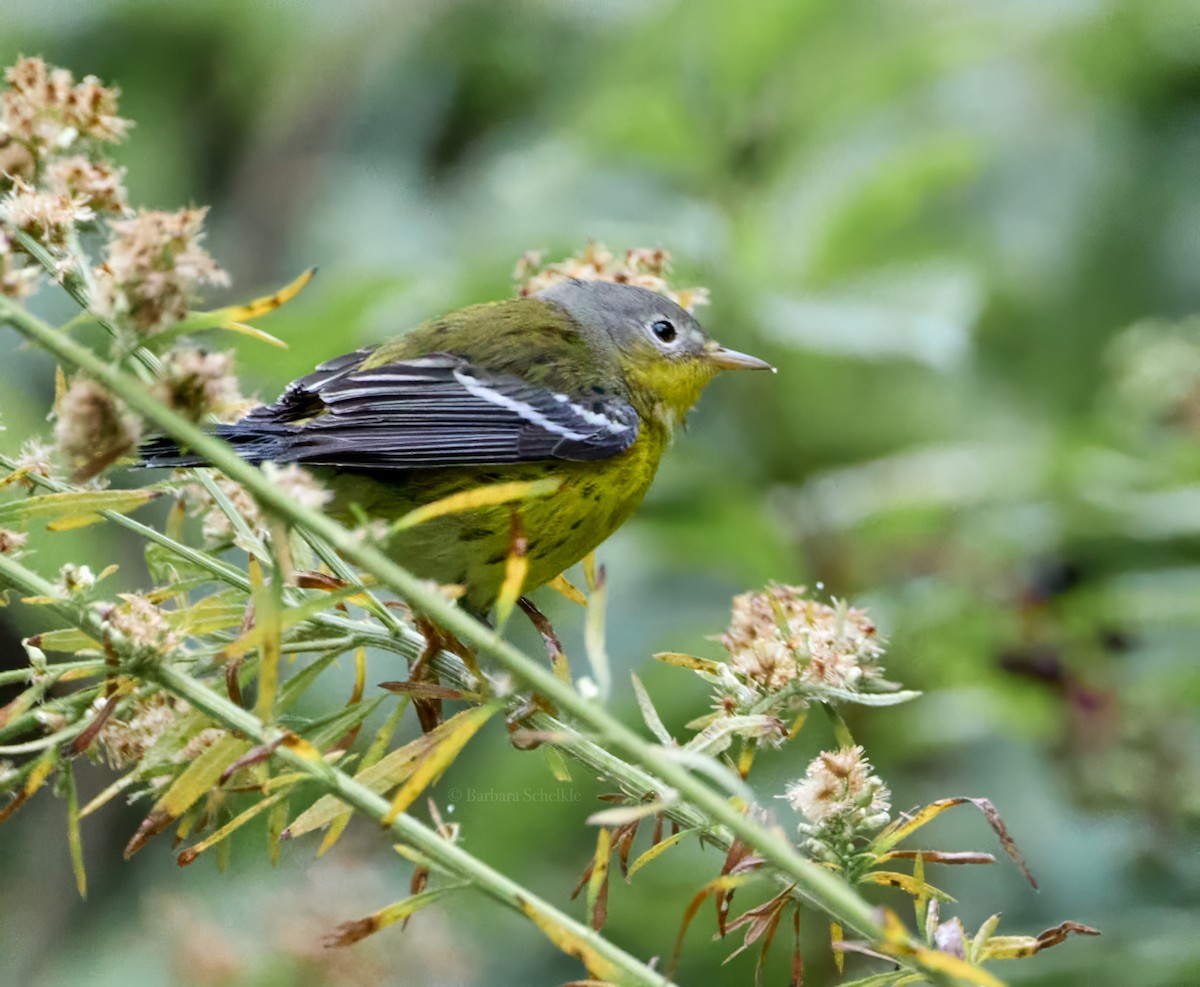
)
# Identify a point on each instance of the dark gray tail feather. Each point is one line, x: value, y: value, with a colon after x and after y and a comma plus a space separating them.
x: 255, y: 445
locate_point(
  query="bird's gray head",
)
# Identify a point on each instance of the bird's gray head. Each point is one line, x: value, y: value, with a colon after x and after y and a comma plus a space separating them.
x: 646, y: 326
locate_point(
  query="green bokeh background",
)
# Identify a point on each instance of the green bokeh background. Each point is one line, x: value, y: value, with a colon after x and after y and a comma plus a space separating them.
x: 967, y: 233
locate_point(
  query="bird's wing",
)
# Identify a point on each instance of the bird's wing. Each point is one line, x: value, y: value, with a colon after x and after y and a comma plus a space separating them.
x: 435, y: 411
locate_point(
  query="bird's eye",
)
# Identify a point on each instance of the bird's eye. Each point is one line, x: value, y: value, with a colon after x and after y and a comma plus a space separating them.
x: 664, y: 330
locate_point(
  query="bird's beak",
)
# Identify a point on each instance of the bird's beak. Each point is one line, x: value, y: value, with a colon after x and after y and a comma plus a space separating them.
x: 727, y: 359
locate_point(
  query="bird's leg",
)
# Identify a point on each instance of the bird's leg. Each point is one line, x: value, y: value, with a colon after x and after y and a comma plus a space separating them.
x: 554, y: 648
x: 429, y: 709
x: 521, y: 738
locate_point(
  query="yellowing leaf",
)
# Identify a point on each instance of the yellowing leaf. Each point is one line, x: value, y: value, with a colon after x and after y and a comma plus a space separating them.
x: 263, y: 337
x: 597, y: 891
x: 386, y: 773
x: 268, y: 303
x: 65, y: 639
x: 15, y: 476
x: 349, y: 933
x: 268, y: 625
x: 718, y: 885
x: 557, y: 763
x: 289, y: 618
x: 660, y: 847
x: 187, y: 856
x: 931, y: 959
x: 906, y: 883
x: 572, y: 943
x: 74, y: 521
x: 560, y: 584
x: 75, y: 504
x: 487, y: 495
x: 74, y: 837
x: 438, y: 758
x: 688, y: 661
x: 196, y: 780
x: 906, y: 825
x: 1018, y: 947
x: 516, y: 568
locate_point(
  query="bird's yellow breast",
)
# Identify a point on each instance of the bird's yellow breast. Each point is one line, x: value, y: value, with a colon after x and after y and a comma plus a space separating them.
x: 471, y: 548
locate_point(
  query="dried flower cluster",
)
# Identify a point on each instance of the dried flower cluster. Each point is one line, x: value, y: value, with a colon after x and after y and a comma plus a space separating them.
x: 126, y: 740
x: 47, y: 216
x: 99, y: 185
x: 36, y: 458
x: 17, y: 279
x: 300, y: 485
x: 642, y: 266
x: 844, y: 803
x: 55, y: 180
x: 197, y: 383
x: 94, y: 429
x: 11, y: 542
x: 153, y: 264
x: 142, y: 626
x: 839, y: 785
x: 45, y: 112
x: 51, y: 176
x: 218, y: 529
x: 784, y: 645
x: 75, y: 579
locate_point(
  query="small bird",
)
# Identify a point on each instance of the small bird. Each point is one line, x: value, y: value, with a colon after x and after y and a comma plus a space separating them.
x: 583, y: 382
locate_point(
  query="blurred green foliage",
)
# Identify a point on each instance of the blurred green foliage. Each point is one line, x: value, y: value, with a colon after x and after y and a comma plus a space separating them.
x: 966, y: 233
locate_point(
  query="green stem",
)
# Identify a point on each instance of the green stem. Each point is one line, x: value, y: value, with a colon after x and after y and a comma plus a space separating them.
x: 619, y: 964
x: 824, y: 889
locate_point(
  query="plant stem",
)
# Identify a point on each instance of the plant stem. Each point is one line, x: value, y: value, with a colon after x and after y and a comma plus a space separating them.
x: 614, y: 962
x: 826, y: 890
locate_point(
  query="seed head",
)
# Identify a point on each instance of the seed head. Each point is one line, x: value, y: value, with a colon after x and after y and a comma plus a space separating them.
x: 94, y: 428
